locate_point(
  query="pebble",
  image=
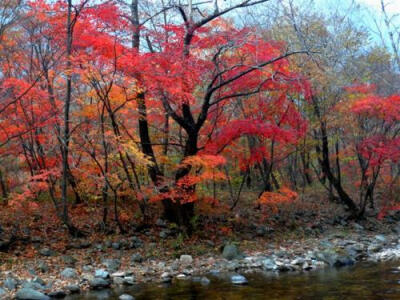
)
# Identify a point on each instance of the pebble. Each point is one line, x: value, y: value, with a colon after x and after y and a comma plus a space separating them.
x: 166, y: 277
x: 238, y: 279
x: 126, y: 297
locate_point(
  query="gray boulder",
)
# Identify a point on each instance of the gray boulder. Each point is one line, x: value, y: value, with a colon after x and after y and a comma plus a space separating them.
x: 10, y: 283
x: 112, y: 264
x: 136, y: 258
x: 116, y: 245
x: 135, y: 242
x: 99, y: 283
x: 69, y: 260
x: 129, y: 280
x: 57, y: 294
x: 2, y: 292
x: 264, y: 230
x: 269, y: 264
x: 375, y: 247
x: 186, y: 259
x: 32, y: 285
x: 327, y: 256
x: 230, y: 252
x: 69, y: 273
x: 342, y: 261
x: 381, y: 238
x: 73, y: 288
x: 204, y: 281
x: 30, y: 294
x: 101, y: 273
x: 43, y: 266
x: 46, y: 252
x: 161, y: 223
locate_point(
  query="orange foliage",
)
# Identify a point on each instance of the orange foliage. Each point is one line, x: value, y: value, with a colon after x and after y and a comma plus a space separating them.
x: 273, y: 199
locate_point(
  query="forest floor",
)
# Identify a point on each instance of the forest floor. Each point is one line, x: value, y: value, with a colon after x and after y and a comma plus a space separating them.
x: 45, y: 259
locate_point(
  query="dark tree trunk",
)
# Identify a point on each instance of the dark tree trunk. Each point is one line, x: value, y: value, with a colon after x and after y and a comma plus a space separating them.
x: 326, y: 167
x: 4, y: 189
x: 176, y: 211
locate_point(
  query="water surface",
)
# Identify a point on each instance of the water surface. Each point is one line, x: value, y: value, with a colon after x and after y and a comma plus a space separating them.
x: 363, y: 281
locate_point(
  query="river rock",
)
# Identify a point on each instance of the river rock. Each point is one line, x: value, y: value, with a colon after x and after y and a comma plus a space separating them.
x: 39, y: 280
x: 80, y: 245
x: 30, y: 294
x: 32, y: 285
x: 135, y: 242
x: 307, y: 266
x: 181, y: 276
x: 327, y: 256
x: 375, y: 247
x: 355, y: 250
x: 129, y: 280
x: 165, y: 233
x: 69, y: 260
x: 126, y: 297
x: 118, y: 280
x: 112, y: 264
x: 46, y: 252
x: 238, y: 279
x: 69, y: 273
x: 36, y: 239
x: 381, y: 238
x: 230, y: 252
x: 326, y: 244
x: 73, y: 288
x: 204, y: 280
x: 161, y: 223
x: 87, y: 268
x: 101, y: 273
x: 186, y: 259
x: 116, y: 245
x: 99, y: 283
x: 43, y: 266
x: 358, y: 227
x: 166, y: 277
x: 36, y: 283
x: 269, y: 264
x: 232, y: 266
x: 10, y: 283
x: 57, y: 294
x: 283, y: 266
x: 2, y: 292
x: 299, y: 261
x: 118, y: 274
x: 342, y: 261
x: 263, y: 230
x: 187, y: 272
x: 136, y: 258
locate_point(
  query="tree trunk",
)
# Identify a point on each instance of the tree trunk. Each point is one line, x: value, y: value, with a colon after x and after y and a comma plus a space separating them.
x: 176, y: 211
x: 4, y: 189
x: 325, y: 164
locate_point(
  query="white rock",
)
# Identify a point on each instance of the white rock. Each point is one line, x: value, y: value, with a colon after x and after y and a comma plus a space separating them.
x: 118, y: 274
x: 181, y: 276
x: 186, y: 259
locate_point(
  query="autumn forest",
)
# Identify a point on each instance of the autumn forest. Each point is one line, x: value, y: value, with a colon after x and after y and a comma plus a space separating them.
x: 119, y: 115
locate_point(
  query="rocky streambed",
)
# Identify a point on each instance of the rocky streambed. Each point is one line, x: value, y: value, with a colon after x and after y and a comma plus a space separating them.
x: 55, y: 277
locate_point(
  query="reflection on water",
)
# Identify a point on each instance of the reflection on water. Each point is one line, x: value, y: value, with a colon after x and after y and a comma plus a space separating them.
x: 364, y: 281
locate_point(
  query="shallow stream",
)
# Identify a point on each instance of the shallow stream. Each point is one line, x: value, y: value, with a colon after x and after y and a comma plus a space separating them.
x: 363, y: 281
